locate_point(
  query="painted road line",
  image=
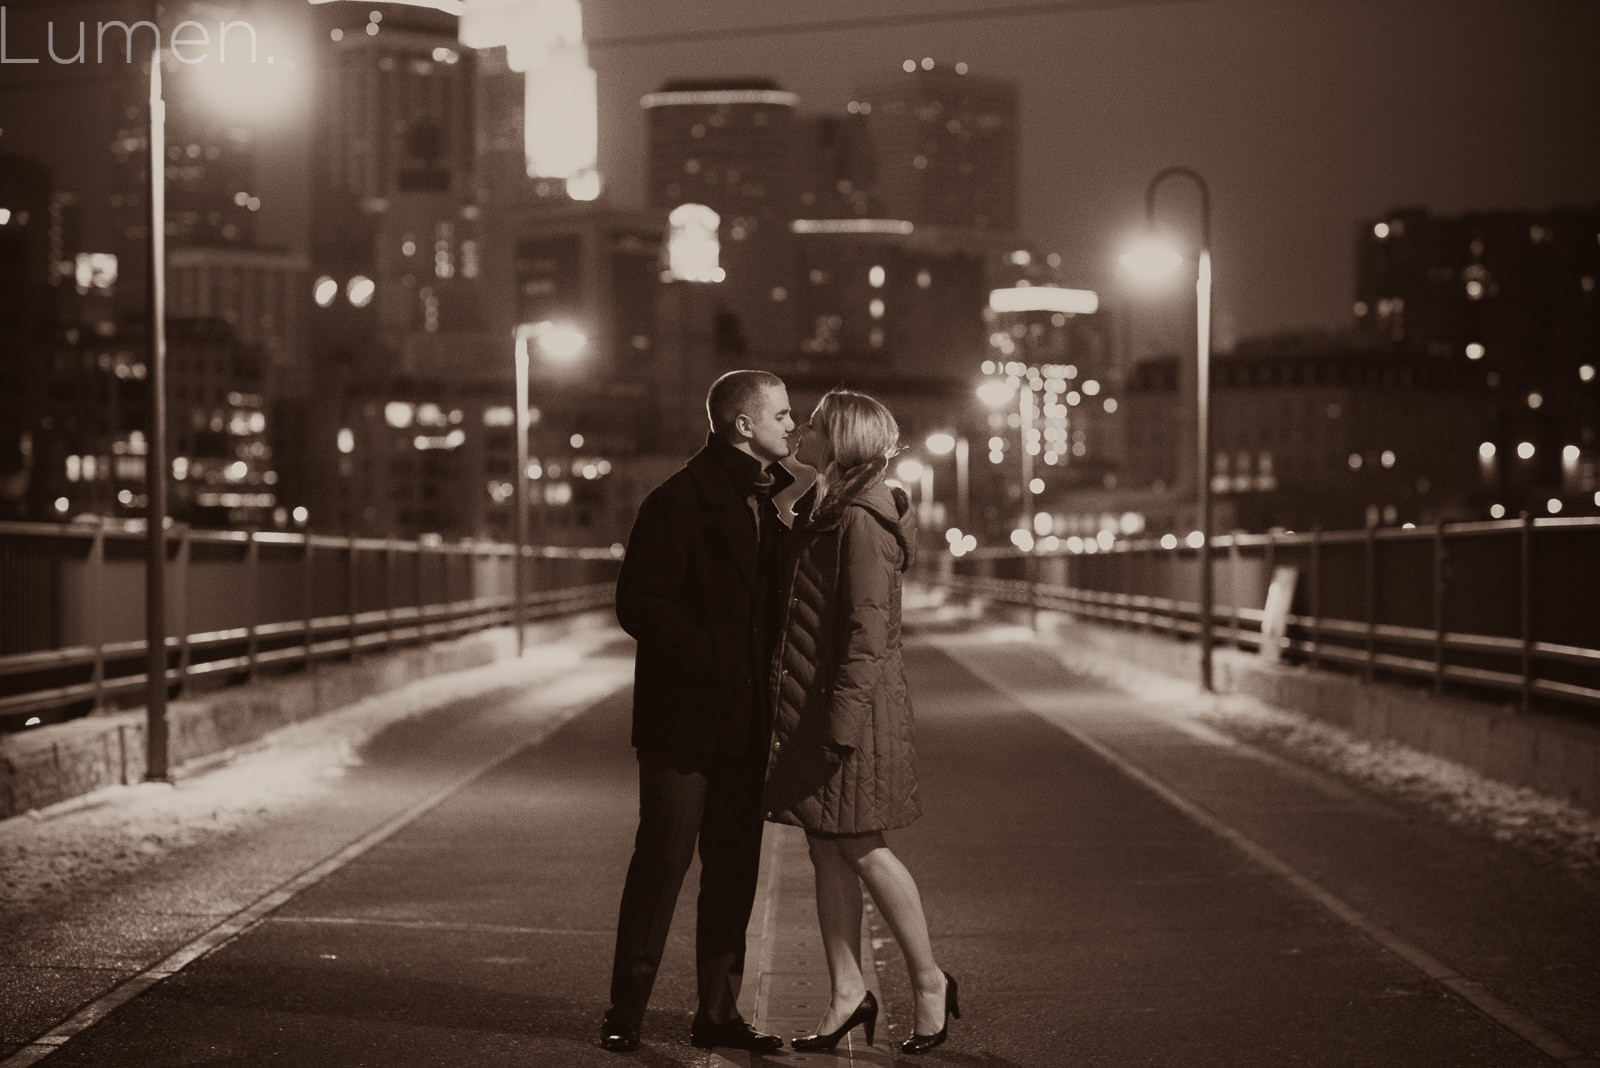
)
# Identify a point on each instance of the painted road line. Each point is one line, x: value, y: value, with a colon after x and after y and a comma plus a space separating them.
x: 242, y: 921
x: 1474, y: 993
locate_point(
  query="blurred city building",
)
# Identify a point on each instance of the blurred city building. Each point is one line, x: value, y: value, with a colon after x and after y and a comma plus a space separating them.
x: 1509, y: 298
x: 734, y: 145
x: 944, y: 143
x: 1310, y: 431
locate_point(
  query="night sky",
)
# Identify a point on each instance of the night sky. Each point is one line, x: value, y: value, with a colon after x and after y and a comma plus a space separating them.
x: 1306, y: 116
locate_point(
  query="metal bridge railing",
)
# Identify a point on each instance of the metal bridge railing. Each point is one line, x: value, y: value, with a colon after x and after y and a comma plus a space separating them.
x: 243, y: 604
x: 1509, y: 605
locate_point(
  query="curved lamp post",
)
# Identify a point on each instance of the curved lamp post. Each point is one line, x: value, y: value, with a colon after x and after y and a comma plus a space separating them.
x: 1151, y: 257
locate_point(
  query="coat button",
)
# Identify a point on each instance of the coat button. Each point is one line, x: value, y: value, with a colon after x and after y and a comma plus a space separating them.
x: 777, y: 747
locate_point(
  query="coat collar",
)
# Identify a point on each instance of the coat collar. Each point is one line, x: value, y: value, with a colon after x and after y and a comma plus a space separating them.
x: 864, y: 487
x: 717, y: 490
x: 712, y: 475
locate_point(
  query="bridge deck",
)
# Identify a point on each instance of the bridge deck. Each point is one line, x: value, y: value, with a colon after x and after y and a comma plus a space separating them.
x: 1112, y: 883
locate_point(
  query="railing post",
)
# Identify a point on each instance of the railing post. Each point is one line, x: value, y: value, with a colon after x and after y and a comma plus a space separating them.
x: 1233, y: 582
x: 97, y: 584
x: 1316, y: 596
x: 422, y: 594
x: 181, y: 572
x: 1527, y: 610
x: 308, y: 592
x: 1030, y: 573
x: 352, y: 590
x: 1270, y: 557
x: 1370, y: 566
x: 388, y: 594
x: 1438, y: 607
x: 252, y: 578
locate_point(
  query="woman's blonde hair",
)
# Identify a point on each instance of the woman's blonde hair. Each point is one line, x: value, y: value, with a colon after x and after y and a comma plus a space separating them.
x: 859, y: 428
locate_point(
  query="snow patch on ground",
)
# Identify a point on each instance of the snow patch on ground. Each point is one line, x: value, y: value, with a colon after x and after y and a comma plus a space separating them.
x: 1545, y: 826
x: 1513, y: 814
x: 113, y: 833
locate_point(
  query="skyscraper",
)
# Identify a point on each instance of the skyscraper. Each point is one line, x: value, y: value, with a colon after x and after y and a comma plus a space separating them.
x: 945, y: 143
x: 1511, y: 298
x: 731, y: 145
x: 398, y: 115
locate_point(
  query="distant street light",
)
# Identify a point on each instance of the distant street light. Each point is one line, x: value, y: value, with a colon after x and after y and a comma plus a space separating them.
x: 562, y: 343
x: 942, y: 444
x: 915, y: 471
x: 1151, y: 258
x: 995, y: 393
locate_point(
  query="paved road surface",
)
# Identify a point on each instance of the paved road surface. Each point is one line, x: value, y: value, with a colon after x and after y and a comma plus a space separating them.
x: 1112, y: 885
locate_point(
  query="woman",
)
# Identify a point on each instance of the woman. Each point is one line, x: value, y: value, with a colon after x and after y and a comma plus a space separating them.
x: 842, y: 764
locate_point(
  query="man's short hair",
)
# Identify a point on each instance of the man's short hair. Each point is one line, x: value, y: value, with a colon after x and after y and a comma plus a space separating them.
x: 737, y: 393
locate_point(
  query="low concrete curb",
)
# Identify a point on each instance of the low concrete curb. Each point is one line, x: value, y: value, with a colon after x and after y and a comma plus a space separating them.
x: 57, y: 763
x: 1556, y: 756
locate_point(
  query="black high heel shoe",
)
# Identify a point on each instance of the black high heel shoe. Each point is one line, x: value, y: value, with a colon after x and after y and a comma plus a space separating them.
x: 866, y: 1013
x: 952, y: 1008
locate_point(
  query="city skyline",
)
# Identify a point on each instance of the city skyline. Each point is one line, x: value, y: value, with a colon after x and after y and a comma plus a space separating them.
x: 1288, y: 114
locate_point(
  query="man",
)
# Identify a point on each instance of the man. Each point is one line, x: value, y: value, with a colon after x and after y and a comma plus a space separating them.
x: 697, y: 592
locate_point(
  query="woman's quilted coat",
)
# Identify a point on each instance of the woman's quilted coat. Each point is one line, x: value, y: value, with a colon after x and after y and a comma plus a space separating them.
x: 842, y: 759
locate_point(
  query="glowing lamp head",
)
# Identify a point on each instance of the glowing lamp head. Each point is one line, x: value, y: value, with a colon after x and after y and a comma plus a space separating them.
x: 584, y: 186
x: 941, y: 444
x: 557, y: 342
x: 1151, y: 258
x: 909, y: 470
x: 994, y: 393
x: 692, y: 246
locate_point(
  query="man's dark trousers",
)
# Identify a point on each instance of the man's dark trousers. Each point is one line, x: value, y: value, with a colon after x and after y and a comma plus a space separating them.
x: 684, y: 798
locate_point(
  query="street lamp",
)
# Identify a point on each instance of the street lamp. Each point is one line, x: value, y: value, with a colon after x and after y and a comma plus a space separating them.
x: 156, y: 468
x: 997, y: 392
x: 915, y: 471
x: 942, y: 444
x: 235, y: 85
x: 1150, y: 258
x: 559, y: 343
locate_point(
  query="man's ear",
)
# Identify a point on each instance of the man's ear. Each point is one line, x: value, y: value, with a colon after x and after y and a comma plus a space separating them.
x: 744, y: 425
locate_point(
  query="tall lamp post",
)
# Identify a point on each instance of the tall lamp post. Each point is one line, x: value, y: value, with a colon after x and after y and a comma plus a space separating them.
x: 248, y: 88
x: 156, y: 467
x: 1152, y: 258
x: 561, y: 343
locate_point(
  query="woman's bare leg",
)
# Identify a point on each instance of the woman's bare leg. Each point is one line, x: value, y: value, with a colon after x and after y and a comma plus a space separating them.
x: 839, y: 916
x: 894, y: 891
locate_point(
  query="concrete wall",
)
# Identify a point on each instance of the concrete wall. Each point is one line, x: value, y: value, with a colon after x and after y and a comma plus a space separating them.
x: 62, y: 761
x: 1555, y: 755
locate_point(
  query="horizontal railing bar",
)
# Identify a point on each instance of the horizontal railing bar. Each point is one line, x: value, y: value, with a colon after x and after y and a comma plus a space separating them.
x: 1551, y: 688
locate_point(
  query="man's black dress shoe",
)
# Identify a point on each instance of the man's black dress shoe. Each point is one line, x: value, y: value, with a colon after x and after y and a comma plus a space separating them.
x: 618, y: 1035
x: 735, y: 1035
